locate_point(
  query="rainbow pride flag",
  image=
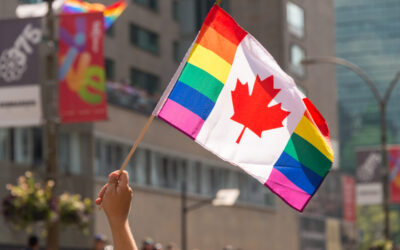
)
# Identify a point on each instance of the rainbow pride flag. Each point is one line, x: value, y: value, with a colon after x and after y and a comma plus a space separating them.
x: 230, y: 96
x: 111, y: 12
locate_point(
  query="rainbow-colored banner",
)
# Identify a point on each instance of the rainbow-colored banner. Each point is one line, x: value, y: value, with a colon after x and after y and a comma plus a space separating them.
x: 111, y: 12
x: 231, y: 97
x: 82, y: 86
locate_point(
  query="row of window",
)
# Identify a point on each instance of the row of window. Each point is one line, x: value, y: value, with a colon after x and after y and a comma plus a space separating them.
x: 147, y: 40
x: 147, y: 167
x: 157, y: 169
x: 154, y: 6
x: 295, y: 23
x: 25, y: 146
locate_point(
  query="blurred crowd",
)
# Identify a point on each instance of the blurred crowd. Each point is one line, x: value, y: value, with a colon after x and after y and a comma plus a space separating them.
x: 149, y: 244
x: 125, y: 95
x: 101, y: 243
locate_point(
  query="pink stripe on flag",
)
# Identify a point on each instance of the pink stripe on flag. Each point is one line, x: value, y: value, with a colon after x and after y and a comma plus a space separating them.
x: 289, y: 192
x: 181, y: 118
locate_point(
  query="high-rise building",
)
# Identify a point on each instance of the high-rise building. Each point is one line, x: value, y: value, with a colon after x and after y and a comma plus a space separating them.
x: 142, y: 51
x: 368, y: 35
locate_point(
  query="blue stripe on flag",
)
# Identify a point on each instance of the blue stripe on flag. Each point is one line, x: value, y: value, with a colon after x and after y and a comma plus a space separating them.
x: 300, y: 175
x: 192, y: 100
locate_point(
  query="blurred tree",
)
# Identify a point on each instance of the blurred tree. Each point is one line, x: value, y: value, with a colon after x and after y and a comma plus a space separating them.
x: 370, y: 224
x: 32, y: 203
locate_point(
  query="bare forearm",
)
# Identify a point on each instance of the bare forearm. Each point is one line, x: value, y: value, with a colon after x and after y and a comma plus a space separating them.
x: 123, y: 239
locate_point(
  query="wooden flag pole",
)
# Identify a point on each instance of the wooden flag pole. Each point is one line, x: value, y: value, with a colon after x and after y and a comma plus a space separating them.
x: 139, y: 139
x: 218, y: 2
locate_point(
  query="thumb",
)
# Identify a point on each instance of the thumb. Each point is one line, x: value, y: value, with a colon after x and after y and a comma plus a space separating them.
x: 124, y: 178
x: 112, y: 181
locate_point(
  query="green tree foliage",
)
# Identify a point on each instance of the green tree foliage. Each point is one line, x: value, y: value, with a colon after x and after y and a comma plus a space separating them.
x: 370, y: 220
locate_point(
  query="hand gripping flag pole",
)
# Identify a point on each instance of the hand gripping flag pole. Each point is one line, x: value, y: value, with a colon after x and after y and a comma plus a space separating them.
x: 145, y: 128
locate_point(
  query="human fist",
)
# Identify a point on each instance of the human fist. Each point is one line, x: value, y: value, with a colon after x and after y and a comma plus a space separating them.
x: 115, y: 197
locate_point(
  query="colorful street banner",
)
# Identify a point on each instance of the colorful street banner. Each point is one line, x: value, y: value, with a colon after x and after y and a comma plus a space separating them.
x: 20, y: 98
x: 81, y: 73
x: 394, y: 165
x: 230, y: 96
x: 349, y: 198
x: 110, y: 12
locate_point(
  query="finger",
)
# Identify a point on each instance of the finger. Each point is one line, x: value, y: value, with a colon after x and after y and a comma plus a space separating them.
x: 113, y: 176
x: 124, y: 178
x: 102, y: 191
x: 112, y: 183
x: 99, y: 201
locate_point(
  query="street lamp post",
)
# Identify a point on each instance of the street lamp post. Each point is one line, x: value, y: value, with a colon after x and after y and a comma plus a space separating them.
x: 50, y: 113
x: 224, y: 197
x: 382, y: 102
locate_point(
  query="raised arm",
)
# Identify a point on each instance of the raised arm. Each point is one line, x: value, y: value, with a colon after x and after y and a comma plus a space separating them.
x: 115, y: 197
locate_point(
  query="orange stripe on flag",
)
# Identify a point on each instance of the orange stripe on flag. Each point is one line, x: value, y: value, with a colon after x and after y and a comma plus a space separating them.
x: 224, y: 24
x: 212, y: 40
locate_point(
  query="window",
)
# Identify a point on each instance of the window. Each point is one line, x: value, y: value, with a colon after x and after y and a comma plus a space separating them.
x: 110, y: 69
x: 137, y: 165
x: 3, y: 144
x: 146, y: 81
x: 73, y: 153
x: 297, y: 54
x: 110, y: 31
x: 175, y: 51
x: 295, y: 19
x: 175, y: 10
x: 23, y: 146
x: 64, y: 154
x: 168, y: 169
x: 23, y: 149
x: 144, y: 39
x: 151, y: 4
x: 38, y: 156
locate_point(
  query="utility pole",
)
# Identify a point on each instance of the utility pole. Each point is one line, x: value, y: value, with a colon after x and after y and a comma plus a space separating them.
x: 50, y: 108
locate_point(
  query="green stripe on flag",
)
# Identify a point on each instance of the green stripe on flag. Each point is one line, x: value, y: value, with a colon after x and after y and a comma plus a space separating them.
x: 308, y: 155
x: 201, y: 81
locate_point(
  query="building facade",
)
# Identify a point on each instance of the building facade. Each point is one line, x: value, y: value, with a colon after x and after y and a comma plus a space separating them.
x: 368, y: 35
x: 142, y: 51
x: 375, y: 49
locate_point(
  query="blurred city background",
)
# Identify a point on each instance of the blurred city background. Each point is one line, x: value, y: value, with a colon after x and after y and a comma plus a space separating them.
x: 142, y: 50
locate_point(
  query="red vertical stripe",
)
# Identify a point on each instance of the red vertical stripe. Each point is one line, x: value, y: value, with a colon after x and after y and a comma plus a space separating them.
x: 313, y: 114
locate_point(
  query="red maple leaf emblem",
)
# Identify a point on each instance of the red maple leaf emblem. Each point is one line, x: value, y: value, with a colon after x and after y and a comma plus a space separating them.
x: 252, y: 110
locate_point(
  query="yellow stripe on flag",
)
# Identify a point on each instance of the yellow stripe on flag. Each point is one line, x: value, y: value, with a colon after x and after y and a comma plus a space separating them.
x: 310, y: 133
x: 210, y: 62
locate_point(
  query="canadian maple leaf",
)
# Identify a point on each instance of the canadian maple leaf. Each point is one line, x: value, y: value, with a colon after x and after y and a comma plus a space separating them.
x: 252, y: 110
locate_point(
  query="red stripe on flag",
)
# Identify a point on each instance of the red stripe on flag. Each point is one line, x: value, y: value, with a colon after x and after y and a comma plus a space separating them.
x: 225, y: 25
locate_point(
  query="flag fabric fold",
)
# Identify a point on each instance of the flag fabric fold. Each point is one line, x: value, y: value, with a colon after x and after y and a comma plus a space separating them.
x: 111, y: 12
x: 231, y: 97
